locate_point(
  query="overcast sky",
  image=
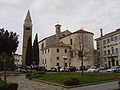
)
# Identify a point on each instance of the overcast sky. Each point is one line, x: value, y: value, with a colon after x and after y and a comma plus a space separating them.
x: 91, y: 15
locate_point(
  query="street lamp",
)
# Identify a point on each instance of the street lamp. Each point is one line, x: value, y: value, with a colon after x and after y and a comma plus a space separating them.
x: 5, y: 69
x: 64, y: 58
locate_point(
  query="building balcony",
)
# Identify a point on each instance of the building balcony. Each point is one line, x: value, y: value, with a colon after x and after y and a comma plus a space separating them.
x: 112, y: 55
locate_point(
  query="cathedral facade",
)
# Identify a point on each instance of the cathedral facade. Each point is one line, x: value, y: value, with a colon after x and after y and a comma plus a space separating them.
x: 55, y: 50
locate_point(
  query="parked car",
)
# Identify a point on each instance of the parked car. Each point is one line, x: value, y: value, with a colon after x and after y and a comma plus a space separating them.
x: 93, y: 69
x: 83, y: 68
x: 41, y: 68
x: 102, y: 67
x: 114, y: 69
x: 72, y: 69
x: 53, y: 69
x: 64, y: 69
x: 67, y: 69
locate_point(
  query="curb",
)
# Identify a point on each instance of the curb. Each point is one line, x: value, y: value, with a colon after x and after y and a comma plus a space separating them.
x: 55, y: 84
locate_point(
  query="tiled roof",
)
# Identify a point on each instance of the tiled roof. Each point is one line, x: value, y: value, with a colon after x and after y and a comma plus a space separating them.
x: 112, y: 32
x: 82, y: 31
x: 109, y: 34
x: 17, y: 55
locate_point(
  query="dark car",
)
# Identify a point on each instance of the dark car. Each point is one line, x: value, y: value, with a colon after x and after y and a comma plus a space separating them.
x: 72, y: 69
x: 40, y: 68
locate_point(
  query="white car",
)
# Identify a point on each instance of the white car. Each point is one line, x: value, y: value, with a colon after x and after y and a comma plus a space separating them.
x: 64, y: 69
x: 93, y: 69
x: 114, y: 69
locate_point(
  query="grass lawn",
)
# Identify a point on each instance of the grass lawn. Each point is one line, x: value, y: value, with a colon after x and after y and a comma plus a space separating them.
x: 84, y: 79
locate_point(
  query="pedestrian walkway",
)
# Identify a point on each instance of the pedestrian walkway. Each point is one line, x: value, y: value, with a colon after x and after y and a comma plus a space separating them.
x: 26, y: 84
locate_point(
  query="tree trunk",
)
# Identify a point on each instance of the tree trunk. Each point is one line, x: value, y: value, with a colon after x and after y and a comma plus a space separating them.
x: 82, y: 65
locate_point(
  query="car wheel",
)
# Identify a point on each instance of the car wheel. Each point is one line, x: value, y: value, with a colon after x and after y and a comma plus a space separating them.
x: 114, y: 70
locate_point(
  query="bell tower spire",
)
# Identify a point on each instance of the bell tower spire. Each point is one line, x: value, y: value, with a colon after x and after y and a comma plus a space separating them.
x: 28, y: 16
x: 27, y: 32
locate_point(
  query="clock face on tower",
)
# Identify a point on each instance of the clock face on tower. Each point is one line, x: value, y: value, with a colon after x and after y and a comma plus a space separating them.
x: 27, y: 28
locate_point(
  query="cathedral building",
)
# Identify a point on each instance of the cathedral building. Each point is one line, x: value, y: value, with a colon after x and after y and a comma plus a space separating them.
x: 55, y: 50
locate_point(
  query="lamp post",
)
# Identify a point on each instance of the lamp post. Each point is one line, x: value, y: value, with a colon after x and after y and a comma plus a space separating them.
x: 64, y: 58
x: 5, y: 70
x: 3, y: 57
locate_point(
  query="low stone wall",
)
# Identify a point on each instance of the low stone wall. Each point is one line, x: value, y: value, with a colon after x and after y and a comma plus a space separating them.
x: 10, y: 73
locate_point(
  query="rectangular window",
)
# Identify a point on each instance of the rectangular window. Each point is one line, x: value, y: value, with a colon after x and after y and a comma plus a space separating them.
x: 111, y: 38
x: 108, y: 40
x: 112, y: 50
x: 57, y: 64
x: 57, y: 50
x: 48, y: 50
x: 70, y: 41
x: 116, y: 38
x: 104, y: 42
x: 116, y: 50
x: 108, y: 51
x: 45, y: 61
x: 65, y: 50
x: 57, y: 58
x: 45, y: 51
x: 98, y: 43
x: 104, y: 52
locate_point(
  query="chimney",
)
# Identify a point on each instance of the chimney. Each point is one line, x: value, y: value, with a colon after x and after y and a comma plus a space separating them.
x: 101, y: 32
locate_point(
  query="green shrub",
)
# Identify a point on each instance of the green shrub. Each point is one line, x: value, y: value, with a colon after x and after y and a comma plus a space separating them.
x: 12, y: 86
x: 75, y: 81
x: 2, y: 83
x: 71, y: 81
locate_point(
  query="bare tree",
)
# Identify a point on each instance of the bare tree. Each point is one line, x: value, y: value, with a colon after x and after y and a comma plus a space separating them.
x: 82, y: 48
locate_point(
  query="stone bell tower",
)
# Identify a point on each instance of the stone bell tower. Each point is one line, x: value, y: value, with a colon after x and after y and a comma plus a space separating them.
x: 27, y: 32
x: 58, y: 32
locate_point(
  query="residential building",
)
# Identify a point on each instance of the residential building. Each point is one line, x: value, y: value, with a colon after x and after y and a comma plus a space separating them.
x: 108, y: 48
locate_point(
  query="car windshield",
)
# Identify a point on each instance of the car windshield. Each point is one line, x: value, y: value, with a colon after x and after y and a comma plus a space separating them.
x: 114, y: 67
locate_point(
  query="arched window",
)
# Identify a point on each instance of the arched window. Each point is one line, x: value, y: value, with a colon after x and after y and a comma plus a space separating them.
x: 42, y: 46
x: 70, y: 41
x: 112, y: 50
